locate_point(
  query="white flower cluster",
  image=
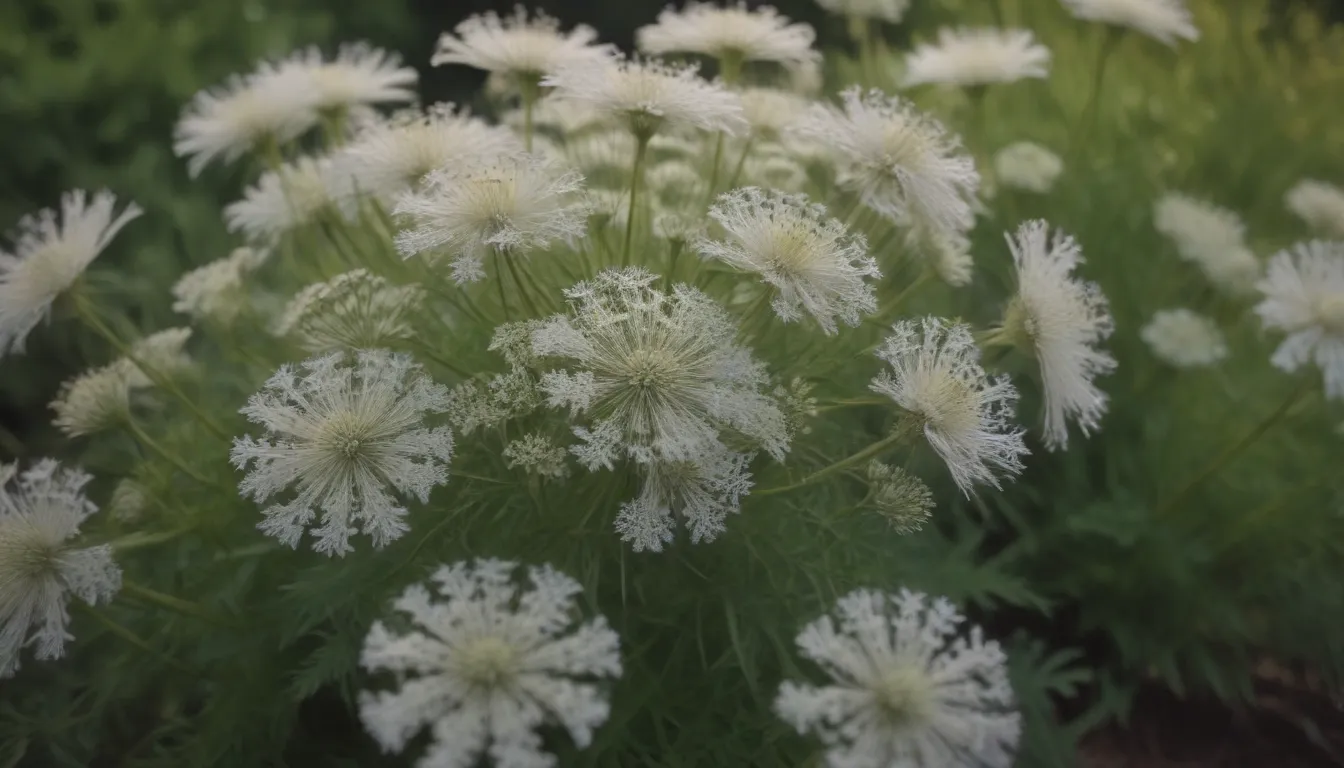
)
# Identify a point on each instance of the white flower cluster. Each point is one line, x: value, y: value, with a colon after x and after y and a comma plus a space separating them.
x: 733, y: 34
x: 1164, y: 20
x: 1319, y: 204
x: 969, y: 57
x: 1211, y: 238
x: 1184, y: 339
x: 353, y: 310
x: 1303, y: 294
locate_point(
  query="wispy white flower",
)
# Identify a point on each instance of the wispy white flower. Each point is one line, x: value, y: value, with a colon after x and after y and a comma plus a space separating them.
x: 537, y: 454
x: 769, y: 111
x: 218, y: 291
x: 903, y: 164
x: 731, y: 34
x: 51, y: 252
x: 285, y: 199
x: 517, y: 46
x: 485, y: 663
x: 604, y: 156
x: 774, y: 171
x: 94, y: 401
x: 891, y: 11
x: 701, y: 492
x: 1304, y: 297
x: 162, y: 352
x: 567, y: 118
x: 40, y: 513
x: 660, y: 375
x: 1211, y: 238
x: 360, y: 75
x: 353, y: 310
x: 1027, y: 166
x: 1319, y: 204
x: 900, y: 497
x: 256, y: 113
x: 129, y: 501
x: 342, y: 435
x: 649, y: 95
x: 1184, y: 339
x: 508, y: 205
x: 965, y: 415
x: 798, y: 404
x: 947, y: 254
x: 814, y: 264
x: 906, y: 689
x: 977, y: 57
x: 1060, y: 320
x: 1163, y: 20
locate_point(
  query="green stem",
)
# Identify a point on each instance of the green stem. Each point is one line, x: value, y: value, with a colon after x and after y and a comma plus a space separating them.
x: 714, y: 169
x: 890, y: 441
x: 895, y: 303
x: 138, y: 540
x: 741, y: 161
x: 134, y: 639
x: 144, y: 439
x: 674, y: 248
x: 174, y: 604
x: 503, y: 299
x: 1088, y: 120
x: 636, y: 176
x: 527, y: 87
x: 522, y: 289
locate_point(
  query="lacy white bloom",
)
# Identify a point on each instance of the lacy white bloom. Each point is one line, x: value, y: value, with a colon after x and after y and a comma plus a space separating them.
x: 701, y: 492
x: 353, y: 310
x: 39, y: 569
x: 903, y: 164
x: 1319, y: 204
x: 966, y: 416
x: 218, y: 291
x: 1211, y: 238
x: 507, y: 205
x: 1027, y: 166
x: 343, y: 434
x: 268, y: 108
x: 977, y: 57
x: 485, y: 663
x: 733, y: 34
x: 50, y: 253
x: 660, y: 375
x: 891, y: 11
x: 517, y: 46
x: 1184, y: 339
x: 360, y: 75
x: 1060, y: 320
x: 769, y: 110
x: 649, y: 96
x: 814, y: 263
x: 94, y: 401
x: 774, y: 171
x: 1163, y: 20
x: 906, y: 689
x: 1304, y: 297
x: 537, y: 454
x: 285, y: 199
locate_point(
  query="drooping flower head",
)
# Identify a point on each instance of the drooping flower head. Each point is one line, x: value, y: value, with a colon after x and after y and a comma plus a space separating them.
x: 1164, y: 20
x: 891, y: 11
x: 485, y: 662
x: 900, y: 497
x: 977, y: 57
x: 342, y: 435
x: 1027, y: 166
x: 659, y: 375
x: 1060, y: 320
x: 1319, y: 204
x: 1184, y: 339
x: 517, y: 46
x: 40, y: 513
x: 353, y: 310
x: 906, y: 689
x: 51, y: 252
x: 731, y: 34
x: 94, y: 401
x: 965, y: 415
x: 1304, y: 297
x: 218, y: 291
x: 701, y: 492
x: 359, y: 76
x: 285, y: 199
x: 1211, y: 238
x: 266, y: 109
x: 814, y: 264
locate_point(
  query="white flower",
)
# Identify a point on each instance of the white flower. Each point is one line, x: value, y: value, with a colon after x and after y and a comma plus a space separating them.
x: 775, y: 171
x: 50, y: 254
x: 902, y: 164
x: 883, y: 10
x: 769, y: 110
x: 1184, y: 339
x: 977, y: 57
x: 701, y: 492
x: 566, y: 117
x: 1027, y: 166
x: 538, y: 455
x: 360, y: 75
x: 1319, y: 204
x: 649, y: 95
x: 343, y: 434
x: 285, y: 199
x: 1211, y: 238
x: 517, y: 46
x: 660, y: 375
x: 966, y: 416
x: 485, y: 662
x: 161, y: 352
x: 218, y: 291
x: 353, y: 310
x: 39, y: 569
x: 1060, y: 320
x: 506, y: 205
x: 1304, y: 297
x: 263, y: 110
x: 94, y: 401
x: 900, y: 497
x: 905, y: 688
x: 1163, y: 20
x: 129, y: 500
x: 814, y: 263
x: 947, y: 254
x: 734, y: 34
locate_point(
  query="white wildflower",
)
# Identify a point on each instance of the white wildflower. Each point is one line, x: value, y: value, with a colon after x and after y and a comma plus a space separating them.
x: 1304, y: 297
x: 40, y: 513
x: 51, y: 252
x: 971, y: 57
x: 285, y: 199
x: 1211, y: 238
x: 1319, y: 204
x: 678, y: 225
x: 516, y: 46
x: 900, y: 497
x: 906, y: 689
x: 537, y: 454
x: 965, y: 416
x: 774, y: 171
x: 94, y: 401
x: 814, y: 264
x: 218, y: 291
x: 1164, y: 20
x: 472, y: 405
x: 891, y: 11
x: 566, y: 118
x: 353, y: 310
x: 485, y: 662
x: 732, y: 34
x: 769, y: 111
x: 129, y: 501
x: 1184, y: 339
x: 604, y: 156
x: 343, y: 434
x: 947, y: 254
x: 359, y: 76
x: 257, y: 113
x: 798, y: 405
x: 701, y: 492
x: 1027, y: 166
x: 162, y: 353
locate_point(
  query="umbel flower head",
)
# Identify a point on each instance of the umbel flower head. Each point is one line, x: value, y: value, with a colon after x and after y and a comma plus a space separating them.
x: 902, y: 164
x: 890, y: 11
x: 1027, y: 166
x: 1319, y: 204
x: 218, y: 291
x: 359, y: 76
x: 40, y: 513
x: 94, y: 401
x: 1184, y: 339
x: 508, y: 205
x: 813, y: 263
x: 343, y: 435
x: 284, y: 199
x: 1211, y: 238
x: 660, y: 375
x: 977, y: 57
x: 701, y: 492
x: 517, y: 46
x: 900, y: 497
x: 731, y: 34
x: 1060, y: 321
x: 1304, y: 297
x: 966, y: 416
x: 905, y: 688
x: 51, y: 252
x: 353, y: 310
x: 1164, y: 20
x: 484, y: 662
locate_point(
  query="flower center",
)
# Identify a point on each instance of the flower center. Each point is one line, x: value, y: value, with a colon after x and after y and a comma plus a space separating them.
x: 348, y: 436
x: 953, y: 407
x: 649, y: 368
x: 1329, y: 309
x: 50, y: 271
x: 25, y: 553
x: 488, y: 662
x: 904, y: 694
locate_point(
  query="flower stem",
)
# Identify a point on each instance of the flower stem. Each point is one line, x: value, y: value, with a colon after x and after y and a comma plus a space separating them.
x: 888, y: 442
x: 144, y: 439
x: 528, y: 91
x: 138, y: 540
x: 134, y: 639
x: 1088, y: 118
x: 741, y: 161
x: 522, y: 289
x: 636, y: 176
x: 174, y: 604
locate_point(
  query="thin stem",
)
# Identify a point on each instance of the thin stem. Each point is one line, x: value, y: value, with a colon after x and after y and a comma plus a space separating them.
x: 895, y: 303
x: 890, y: 441
x: 153, y: 445
x: 522, y: 289
x: 1089, y: 116
x: 503, y: 299
x: 138, y: 540
x: 636, y: 176
x: 174, y: 604
x: 528, y: 90
x: 741, y: 161
x: 714, y: 169
x: 675, y: 250
x: 133, y: 639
